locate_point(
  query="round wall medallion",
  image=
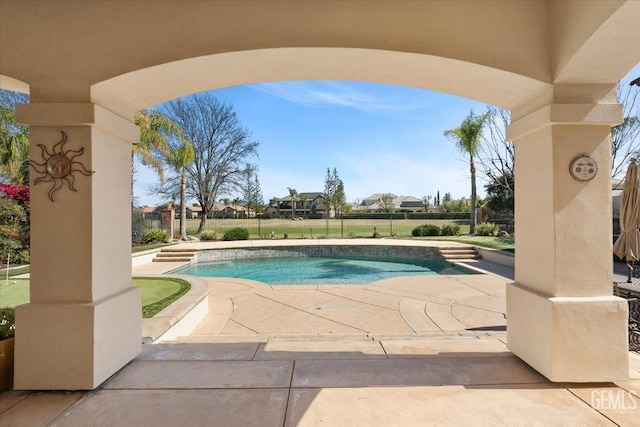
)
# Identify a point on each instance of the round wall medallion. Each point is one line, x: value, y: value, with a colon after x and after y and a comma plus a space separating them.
x: 583, y: 168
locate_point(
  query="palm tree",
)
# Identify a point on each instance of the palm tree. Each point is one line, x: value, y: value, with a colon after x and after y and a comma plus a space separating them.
x: 293, y: 193
x: 467, y: 138
x: 156, y: 130
x: 236, y: 202
x: 180, y: 157
x: 305, y: 199
x: 14, y: 148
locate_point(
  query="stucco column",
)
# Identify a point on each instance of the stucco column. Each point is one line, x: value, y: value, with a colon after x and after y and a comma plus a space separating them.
x: 83, y: 322
x: 562, y: 317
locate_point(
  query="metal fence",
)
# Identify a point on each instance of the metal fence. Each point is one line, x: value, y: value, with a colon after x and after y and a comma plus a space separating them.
x: 279, y: 228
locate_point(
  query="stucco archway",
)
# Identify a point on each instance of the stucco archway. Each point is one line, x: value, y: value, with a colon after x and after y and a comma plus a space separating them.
x: 89, y: 67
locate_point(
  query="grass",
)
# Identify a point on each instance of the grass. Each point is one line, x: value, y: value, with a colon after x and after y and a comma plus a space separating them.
x: 318, y: 228
x: 15, y: 272
x: 148, y: 247
x: 15, y: 293
x: 157, y: 293
x: 134, y: 249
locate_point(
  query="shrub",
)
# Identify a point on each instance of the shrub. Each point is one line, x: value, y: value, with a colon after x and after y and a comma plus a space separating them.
x: 155, y: 235
x: 450, y: 230
x: 426, y: 230
x: 236, y: 234
x: 7, y: 323
x: 487, y: 229
x: 208, y: 235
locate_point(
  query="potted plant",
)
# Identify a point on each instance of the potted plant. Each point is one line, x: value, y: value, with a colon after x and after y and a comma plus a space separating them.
x: 7, y: 332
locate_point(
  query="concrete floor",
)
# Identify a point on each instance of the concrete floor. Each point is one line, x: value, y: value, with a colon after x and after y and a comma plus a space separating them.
x: 402, y: 352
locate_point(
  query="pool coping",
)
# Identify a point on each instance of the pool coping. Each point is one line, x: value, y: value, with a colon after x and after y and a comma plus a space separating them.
x: 180, y: 317
x: 177, y: 317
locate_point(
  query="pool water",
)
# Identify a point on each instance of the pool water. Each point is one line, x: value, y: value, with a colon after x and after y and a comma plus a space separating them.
x: 318, y: 270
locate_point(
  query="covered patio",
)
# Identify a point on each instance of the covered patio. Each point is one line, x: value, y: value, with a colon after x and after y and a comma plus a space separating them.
x: 90, y: 66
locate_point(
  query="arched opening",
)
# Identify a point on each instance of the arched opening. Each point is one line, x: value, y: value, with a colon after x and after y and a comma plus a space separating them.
x: 84, y: 81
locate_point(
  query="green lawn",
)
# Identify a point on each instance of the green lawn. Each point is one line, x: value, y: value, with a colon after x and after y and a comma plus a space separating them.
x: 15, y: 293
x: 148, y: 247
x: 157, y: 293
x: 319, y: 228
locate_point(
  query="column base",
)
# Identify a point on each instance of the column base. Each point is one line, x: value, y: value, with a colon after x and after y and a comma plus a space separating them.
x: 76, y: 346
x: 569, y: 339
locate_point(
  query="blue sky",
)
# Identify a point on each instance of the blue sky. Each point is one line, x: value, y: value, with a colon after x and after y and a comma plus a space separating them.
x: 380, y: 138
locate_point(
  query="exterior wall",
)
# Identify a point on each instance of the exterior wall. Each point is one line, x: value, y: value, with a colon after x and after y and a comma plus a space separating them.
x: 331, y: 251
x: 81, y: 78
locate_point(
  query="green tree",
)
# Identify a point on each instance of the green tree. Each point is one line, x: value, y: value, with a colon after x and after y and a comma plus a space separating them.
x: 294, y: 194
x: 467, y: 138
x: 334, y: 196
x: 252, y: 194
x: 14, y: 140
x: 180, y: 157
x: 236, y: 201
x: 500, y: 197
x: 340, y: 198
x: 153, y: 150
x: 14, y: 224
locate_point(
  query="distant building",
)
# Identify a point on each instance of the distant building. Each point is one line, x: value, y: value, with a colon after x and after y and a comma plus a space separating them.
x: 400, y: 203
x: 304, y: 204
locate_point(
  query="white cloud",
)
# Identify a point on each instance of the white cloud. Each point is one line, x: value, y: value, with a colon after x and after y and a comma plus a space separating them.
x: 335, y: 94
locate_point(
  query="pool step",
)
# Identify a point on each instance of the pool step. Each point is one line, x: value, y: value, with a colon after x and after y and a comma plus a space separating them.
x: 175, y: 255
x: 459, y: 253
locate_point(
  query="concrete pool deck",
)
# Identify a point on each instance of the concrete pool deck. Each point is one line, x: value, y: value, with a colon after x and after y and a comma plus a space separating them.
x: 426, y: 350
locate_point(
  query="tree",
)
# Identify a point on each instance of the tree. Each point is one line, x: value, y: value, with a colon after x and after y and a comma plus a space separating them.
x: 386, y: 203
x: 14, y: 140
x: 625, y: 138
x: 467, y: 139
x: 182, y: 156
x: 251, y: 192
x: 293, y: 193
x: 236, y: 201
x: 304, y: 199
x: 334, y: 195
x: 497, y: 155
x: 14, y: 224
x: 446, y: 206
x: 426, y: 202
x: 339, y: 198
x: 221, y: 144
x: 156, y: 130
x: 500, y: 198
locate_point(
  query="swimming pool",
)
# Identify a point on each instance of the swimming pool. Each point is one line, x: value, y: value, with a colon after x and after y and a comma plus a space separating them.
x: 320, y: 270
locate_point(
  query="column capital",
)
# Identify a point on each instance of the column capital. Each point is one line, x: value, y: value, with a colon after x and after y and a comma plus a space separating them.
x: 77, y: 114
x: 602, y: 114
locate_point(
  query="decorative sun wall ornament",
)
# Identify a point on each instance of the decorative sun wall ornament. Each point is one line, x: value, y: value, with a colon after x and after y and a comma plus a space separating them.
x: 583, y: 168
x: 59, y: 166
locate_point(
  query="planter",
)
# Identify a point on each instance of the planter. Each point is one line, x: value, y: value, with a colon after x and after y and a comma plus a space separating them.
x: 6, y: 364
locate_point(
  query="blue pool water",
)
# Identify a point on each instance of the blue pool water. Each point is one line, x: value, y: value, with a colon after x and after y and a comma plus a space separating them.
x: 317, y: 270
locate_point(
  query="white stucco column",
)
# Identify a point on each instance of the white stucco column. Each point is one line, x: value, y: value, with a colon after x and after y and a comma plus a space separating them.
x: 562, y: 317
x: 84, y: 321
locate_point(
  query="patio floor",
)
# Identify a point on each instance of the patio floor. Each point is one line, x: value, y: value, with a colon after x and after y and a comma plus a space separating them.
x: 402, y: 352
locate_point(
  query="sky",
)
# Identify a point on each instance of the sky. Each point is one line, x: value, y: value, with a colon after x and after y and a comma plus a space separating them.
x: 380, y: 138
